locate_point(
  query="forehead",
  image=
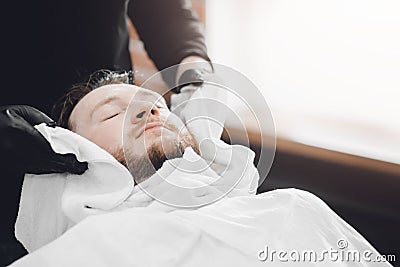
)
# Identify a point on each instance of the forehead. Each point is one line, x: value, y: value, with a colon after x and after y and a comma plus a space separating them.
x: 120, y: 92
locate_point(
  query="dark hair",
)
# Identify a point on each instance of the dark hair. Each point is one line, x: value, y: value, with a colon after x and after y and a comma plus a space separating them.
x: 63, y: 107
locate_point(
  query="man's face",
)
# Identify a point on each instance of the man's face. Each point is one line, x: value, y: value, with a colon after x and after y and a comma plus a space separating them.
x: 124, y: 118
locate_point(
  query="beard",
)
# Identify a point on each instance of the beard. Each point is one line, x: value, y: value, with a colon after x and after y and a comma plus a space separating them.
x: 143, y: 167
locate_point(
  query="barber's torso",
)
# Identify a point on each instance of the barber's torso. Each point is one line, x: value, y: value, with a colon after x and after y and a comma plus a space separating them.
x: 50, y: 45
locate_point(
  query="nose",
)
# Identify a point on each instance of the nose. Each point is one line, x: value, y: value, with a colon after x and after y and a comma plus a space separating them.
x: 145, y: 112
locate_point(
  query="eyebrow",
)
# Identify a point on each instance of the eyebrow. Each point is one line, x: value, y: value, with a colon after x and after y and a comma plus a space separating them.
x: 103, y: 102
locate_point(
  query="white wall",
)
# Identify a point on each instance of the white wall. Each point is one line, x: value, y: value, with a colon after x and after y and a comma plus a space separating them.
x: 329, y: 69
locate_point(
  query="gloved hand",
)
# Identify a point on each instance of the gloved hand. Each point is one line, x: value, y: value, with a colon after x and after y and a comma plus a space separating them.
x: 201, y: 102
x: 23, y: 148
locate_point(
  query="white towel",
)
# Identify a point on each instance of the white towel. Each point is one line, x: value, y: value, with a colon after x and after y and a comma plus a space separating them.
x: 130, y: 228
x: 204, y: 109
x: 51, y: 204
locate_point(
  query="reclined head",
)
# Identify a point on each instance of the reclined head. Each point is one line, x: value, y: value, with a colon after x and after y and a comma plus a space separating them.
x: 131, y: 123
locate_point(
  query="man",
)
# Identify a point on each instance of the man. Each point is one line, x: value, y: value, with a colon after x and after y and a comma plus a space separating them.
x: 136, y: 127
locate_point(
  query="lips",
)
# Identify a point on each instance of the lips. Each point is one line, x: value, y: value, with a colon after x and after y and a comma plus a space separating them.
x: 150, y: 126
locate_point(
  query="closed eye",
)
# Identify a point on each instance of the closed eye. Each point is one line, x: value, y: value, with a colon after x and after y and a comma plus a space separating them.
x: 112, y: 116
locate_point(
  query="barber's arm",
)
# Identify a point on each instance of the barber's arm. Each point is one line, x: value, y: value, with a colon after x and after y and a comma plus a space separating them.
x: 170, y: 32
x: 25, y: 150
x: 173, y: 36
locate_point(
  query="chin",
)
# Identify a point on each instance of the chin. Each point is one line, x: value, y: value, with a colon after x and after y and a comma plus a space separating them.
x: 165, y: 139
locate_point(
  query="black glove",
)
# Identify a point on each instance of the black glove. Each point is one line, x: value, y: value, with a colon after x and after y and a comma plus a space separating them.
x: 190, y: 77
x: 24, y: 149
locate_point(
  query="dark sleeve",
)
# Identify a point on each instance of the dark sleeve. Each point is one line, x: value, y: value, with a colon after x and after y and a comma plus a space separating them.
x: 169, y: 30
